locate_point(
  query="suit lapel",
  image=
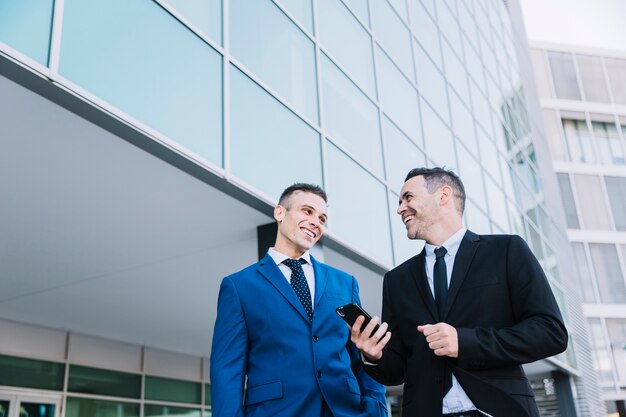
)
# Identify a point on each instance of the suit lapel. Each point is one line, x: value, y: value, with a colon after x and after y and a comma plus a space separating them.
x: 271, y: 272
x: 462, y: 262
x: 418, y: 271
x: 321, y: 277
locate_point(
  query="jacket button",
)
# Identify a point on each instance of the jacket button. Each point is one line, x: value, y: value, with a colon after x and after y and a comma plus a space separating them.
x: 318, y: 374
x: 315, y: 338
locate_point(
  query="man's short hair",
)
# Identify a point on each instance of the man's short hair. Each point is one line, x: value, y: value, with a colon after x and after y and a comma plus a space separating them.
x: 436, y: 177
x: 300, y: 186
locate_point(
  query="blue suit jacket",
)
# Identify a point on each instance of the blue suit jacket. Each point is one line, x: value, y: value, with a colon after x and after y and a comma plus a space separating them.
x: 262, y: 333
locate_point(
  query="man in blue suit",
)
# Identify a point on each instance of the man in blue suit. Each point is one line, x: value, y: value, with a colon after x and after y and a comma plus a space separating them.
x: 276, y: 326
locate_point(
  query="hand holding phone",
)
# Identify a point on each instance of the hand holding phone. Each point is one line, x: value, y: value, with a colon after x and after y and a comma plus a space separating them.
x: 350, y: 312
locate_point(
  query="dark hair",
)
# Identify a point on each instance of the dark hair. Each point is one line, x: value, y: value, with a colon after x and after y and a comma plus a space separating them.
x: 436, y: 177
x: 300, y: 186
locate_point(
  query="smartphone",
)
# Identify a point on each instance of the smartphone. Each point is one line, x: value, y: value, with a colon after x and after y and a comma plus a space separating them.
x: 350, y: 312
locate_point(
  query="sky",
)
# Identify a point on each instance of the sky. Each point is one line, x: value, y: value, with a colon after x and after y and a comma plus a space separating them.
x: 594, y: 23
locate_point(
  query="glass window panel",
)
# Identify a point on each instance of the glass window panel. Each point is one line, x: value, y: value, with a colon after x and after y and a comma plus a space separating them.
x: 103, y: 382
x: 482, y: 111
x: 347, y: 42
x: 25, y: 25
x: 166, y: 389
x: 438, y: 139
x: 476, y: 219
x: 579, y: 140
x: 456, y: 73
x: 585, y: 279
x: 351, y: 118
x: 426, y: 32
x: 497, y: 204
x: 398, y: 97
x: 471, y: 174
x: 488, y: 155
x: 601, y: 357
x: 558, y: 147
x: 4, y: 408
x: 449, y: 28
x: 205, y: 14
x: 463, y: 123
x: 403, y: 247
x: 260, y: 125
x: 608, y: 273
x: 393, y: 36
x: 616, y: 190
x: 592, y: 78
x: 567, y: 196
x: 359, y: 7
x: 401, y: 154
x: 489, y: 58
x: 30, y: 373
x: 534, y: 240
x: 153, y: 410
x: 591, y: 201
x: 301, y: 10
x: 36, y: 409
x: 616, y: 70
x: 346, y: 177
x: 474, y: 64
x: 279, y: 53
x: 87, y: 407
x: 400, y: 7
x: 608, y: 143
x: 171, y: 80
x: 207, y: 394
x: 468, y: 25
x: 431, y: 82
x: 564, y: 75
x: 617, y: 337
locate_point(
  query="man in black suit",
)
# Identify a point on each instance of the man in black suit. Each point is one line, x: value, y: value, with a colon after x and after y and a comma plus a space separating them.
x: 461, y: 317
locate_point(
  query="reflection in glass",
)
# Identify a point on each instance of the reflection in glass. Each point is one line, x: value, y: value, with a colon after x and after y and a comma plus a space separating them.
x: 393, y: 36
x: 152, y: 68
x: 608, y: 273
x: 261, y: 127
x: 166, y: 389
x: 278, y: 53
x: 351, y: 119
x: 593, y: 210
x: 609, y: 144
x: 4, y: 408
x: 25, y: 25
x: 364, y: 225
x: 205, y: 14
x: 97, y: 381
x: 347, y: 42
x: 30, y: 373
x: 398, y: 98
x: 86, y: 407
x: 401, y: 155
x: 579, y: 141
x: 28, y: 409
x: 154, y: 410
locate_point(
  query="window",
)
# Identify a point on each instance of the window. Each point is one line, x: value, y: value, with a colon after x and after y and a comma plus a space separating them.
x: 403, y: 247
x: 558, y: 147
x: 426, y: 32
x: 205, y: 14
x: 617, y: 337
x: 301, y: 10
x: 608, y: 273
x: 30, y: 373
x: 393, y: 36
x: 542, y: 76
x: 585, y: 278
x: 87, y: 407
x: 616, y: 190
x: 607, y: 140
x: 25, y: 25
x: 593, y: 210
x: 616, y: 69
x: 579, y: 140
x: 438, y: 139
x: 154, y: 410
x: 592, y: 77
x: 165, y: 389
x: 564, y: 75
x: 103, y: 382
x: 401, y: 154
x: 602, y: 362
x: 571, y: 214
x: 431, y: 83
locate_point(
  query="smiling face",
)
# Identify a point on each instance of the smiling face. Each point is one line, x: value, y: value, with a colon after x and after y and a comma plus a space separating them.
x: 419, y: 209
x: 301, y: 221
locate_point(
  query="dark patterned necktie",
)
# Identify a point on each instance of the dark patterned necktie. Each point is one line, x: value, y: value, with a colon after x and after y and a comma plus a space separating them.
x: 440, y: 278
x: 299, y: 284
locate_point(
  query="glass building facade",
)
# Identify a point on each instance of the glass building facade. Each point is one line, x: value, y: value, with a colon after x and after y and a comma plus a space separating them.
x: 349, y: 94
x: 583, y: 102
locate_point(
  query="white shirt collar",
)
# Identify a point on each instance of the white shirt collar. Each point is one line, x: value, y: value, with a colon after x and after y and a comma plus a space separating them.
x: 280, y: 257
x: 451, y: 244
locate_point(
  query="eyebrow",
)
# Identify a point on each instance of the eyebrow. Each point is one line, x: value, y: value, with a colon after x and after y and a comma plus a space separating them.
x: 314, y: 209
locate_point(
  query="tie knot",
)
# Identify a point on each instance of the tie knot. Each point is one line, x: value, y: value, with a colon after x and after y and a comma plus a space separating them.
x: 440, y: 252
x: 294, y: 264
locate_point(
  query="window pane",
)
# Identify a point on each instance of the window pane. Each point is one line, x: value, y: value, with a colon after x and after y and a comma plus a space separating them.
x: 593, y: 210
x: 616, y: 69
x: 579, y: 141
x: 401, y: 154
x: 601, y: 357
x: 351, y: 118
x: 476, y: 218
x: 617, y: 337
x: 426, y: 32
x: 469, y: 169
x: 398, y: 97
x: 153, y: 410
x: 497, y: 204
x: 438, y: 139
x: 393, y: 36
x: 347, y: 43
x: 301, y: 10
x: 558, y: 147
x: 359, y: 7
x: 608, y: 142
x: 608, y: 273
x: 456, y: 73
x: 542, y: 75
x: 616, y: 190
x: 346, y: 177
x: 585, y: 279
x: 463, y: 123
x: 166, y: 389
x: 260, y: 126
x: 205, y: 14
x: 564, y: 75
x: 25, y: 25
x: 268, y: 43
x: 103, y: 382
x: 403, y: 247
x: 207, y: 394
x: 431, y: 83
x: 83, y: 407
x: 171, y: 80
x: 571, y: 215
x: 592, y: 77
x: 30, y: 373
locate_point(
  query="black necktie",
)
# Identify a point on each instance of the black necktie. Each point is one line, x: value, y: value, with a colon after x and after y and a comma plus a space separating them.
x: 299, y: 284
x: 440, y: 277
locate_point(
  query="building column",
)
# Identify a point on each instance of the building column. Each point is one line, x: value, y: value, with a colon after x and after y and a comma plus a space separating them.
x: 563, y: 390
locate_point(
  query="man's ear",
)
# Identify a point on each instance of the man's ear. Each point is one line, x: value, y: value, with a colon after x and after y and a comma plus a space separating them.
x: 446, y: 194
x: 279, y: 212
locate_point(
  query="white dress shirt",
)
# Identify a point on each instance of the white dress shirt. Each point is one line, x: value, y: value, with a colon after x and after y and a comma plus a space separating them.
x: 306, y: 267
x: 456, y: 400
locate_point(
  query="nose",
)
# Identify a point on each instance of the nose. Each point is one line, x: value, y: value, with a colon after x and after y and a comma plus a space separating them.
x: 401, y: 208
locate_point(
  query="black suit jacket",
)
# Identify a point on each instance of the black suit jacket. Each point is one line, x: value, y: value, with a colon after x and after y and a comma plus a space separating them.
x: 501, y: 304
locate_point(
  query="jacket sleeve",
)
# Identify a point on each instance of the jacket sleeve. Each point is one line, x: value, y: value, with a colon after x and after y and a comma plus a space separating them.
x: 372, y: 393
x: 538, y: 331
x: 229, y: 354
